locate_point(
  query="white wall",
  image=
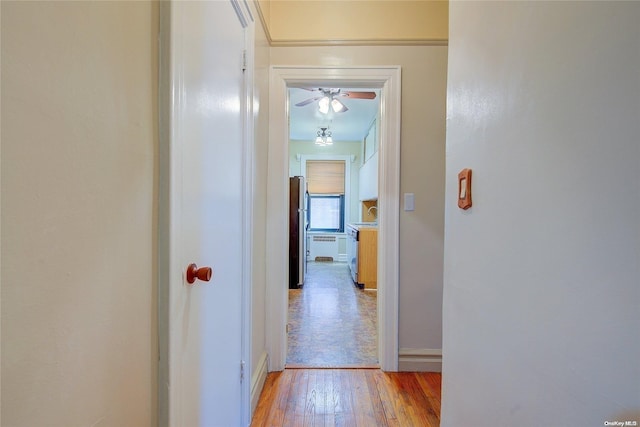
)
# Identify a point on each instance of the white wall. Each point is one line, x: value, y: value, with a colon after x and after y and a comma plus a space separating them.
x: 422, y: 173
x: 542, y: 274
x: 79, y: 107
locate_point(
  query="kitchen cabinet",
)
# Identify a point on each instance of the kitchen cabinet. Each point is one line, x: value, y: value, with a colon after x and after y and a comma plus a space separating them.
x: 368, y: 257
x: 368, y: 179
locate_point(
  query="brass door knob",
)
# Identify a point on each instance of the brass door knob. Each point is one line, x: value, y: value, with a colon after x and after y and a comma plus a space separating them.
x: 202, y: 273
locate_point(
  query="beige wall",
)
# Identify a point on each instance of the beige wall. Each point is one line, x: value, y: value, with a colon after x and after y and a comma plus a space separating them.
x: 424, y: 71
x: 314, y: 21
x: 79, y: 150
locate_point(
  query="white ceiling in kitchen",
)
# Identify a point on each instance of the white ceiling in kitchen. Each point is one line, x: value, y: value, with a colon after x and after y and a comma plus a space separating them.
x: 352, y: 125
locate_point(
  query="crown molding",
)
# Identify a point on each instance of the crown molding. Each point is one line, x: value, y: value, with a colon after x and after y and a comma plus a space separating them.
x: 265, y: 27
x: 359, y: 42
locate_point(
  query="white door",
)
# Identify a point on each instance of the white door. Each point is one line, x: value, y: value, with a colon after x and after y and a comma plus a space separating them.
x: 205, y: 220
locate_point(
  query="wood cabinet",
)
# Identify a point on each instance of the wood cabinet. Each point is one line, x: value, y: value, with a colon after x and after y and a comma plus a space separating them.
x: 368, y: 257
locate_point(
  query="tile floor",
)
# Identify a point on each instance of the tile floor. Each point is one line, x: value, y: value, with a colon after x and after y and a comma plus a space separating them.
x: 332, y: 324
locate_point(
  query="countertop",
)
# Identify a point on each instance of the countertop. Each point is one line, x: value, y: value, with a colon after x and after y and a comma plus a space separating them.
x: 359, y: 225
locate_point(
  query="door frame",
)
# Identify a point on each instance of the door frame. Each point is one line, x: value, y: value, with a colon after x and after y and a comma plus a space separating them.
x: 388, y: 79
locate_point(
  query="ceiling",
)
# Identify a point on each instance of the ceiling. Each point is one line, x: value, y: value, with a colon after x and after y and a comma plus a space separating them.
x: 352, y: 125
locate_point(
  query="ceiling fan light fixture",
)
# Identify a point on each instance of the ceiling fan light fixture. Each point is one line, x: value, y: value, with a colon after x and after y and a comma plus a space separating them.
x: 336, y: 105
x: 323, y: 105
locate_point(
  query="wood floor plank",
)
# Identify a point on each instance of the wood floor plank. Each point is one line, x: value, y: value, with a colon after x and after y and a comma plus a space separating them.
x: 392, y: 408
x: 434, y: 382
x: 345, y: 417
x: 403, y: 399
x: 415, y: 402
x: 329, y: 398
x: 263, y: 407
x: 297, y: 400
x: 274, y: 400
x: 314, y: 400
x: 376, y: 402
x: 290, y: 407
x: 279, y: 420
x: 363, y: 405
x: 273, y: 390
x: 431, y: 385
x: 318, y: 388
x: 348, y: 397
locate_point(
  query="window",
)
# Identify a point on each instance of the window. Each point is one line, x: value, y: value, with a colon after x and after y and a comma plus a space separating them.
x: 325, y: 184
x: 325, y: 212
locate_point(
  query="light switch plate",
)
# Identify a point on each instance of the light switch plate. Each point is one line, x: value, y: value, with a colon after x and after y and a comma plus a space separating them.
x: 409, y: 202
x: 464, y: 189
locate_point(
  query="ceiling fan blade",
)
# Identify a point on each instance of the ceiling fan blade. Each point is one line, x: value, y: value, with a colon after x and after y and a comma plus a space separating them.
x: 359, y: 95
x: 307, y: 101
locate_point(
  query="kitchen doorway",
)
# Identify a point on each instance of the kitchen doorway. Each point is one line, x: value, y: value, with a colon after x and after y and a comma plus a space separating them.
x: 331, y: 322
x: 387, y: 80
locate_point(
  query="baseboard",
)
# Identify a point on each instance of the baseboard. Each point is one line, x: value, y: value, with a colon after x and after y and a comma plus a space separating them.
x: 257, y: 380
x: 420, y: 360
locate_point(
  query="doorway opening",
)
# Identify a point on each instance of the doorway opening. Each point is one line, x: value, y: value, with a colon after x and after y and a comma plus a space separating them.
x: 386, y: 81
x: 332, y: 307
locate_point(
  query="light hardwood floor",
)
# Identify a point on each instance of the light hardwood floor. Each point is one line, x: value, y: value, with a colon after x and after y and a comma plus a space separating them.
x: 349, y: 397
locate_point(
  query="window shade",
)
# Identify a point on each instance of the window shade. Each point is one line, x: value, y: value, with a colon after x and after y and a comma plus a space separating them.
x: 325, y: 176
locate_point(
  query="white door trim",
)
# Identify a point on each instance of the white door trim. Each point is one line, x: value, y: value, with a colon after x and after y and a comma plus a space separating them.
x: 388, y: 78
x: 248, y: 143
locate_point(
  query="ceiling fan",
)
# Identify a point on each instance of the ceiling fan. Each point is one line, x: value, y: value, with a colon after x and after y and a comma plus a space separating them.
x: 329, y: 98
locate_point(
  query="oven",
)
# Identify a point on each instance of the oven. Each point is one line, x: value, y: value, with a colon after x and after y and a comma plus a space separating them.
x: 352, y: 251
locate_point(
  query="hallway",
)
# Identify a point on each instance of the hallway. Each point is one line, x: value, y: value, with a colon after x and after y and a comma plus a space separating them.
x: 332, y: 324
